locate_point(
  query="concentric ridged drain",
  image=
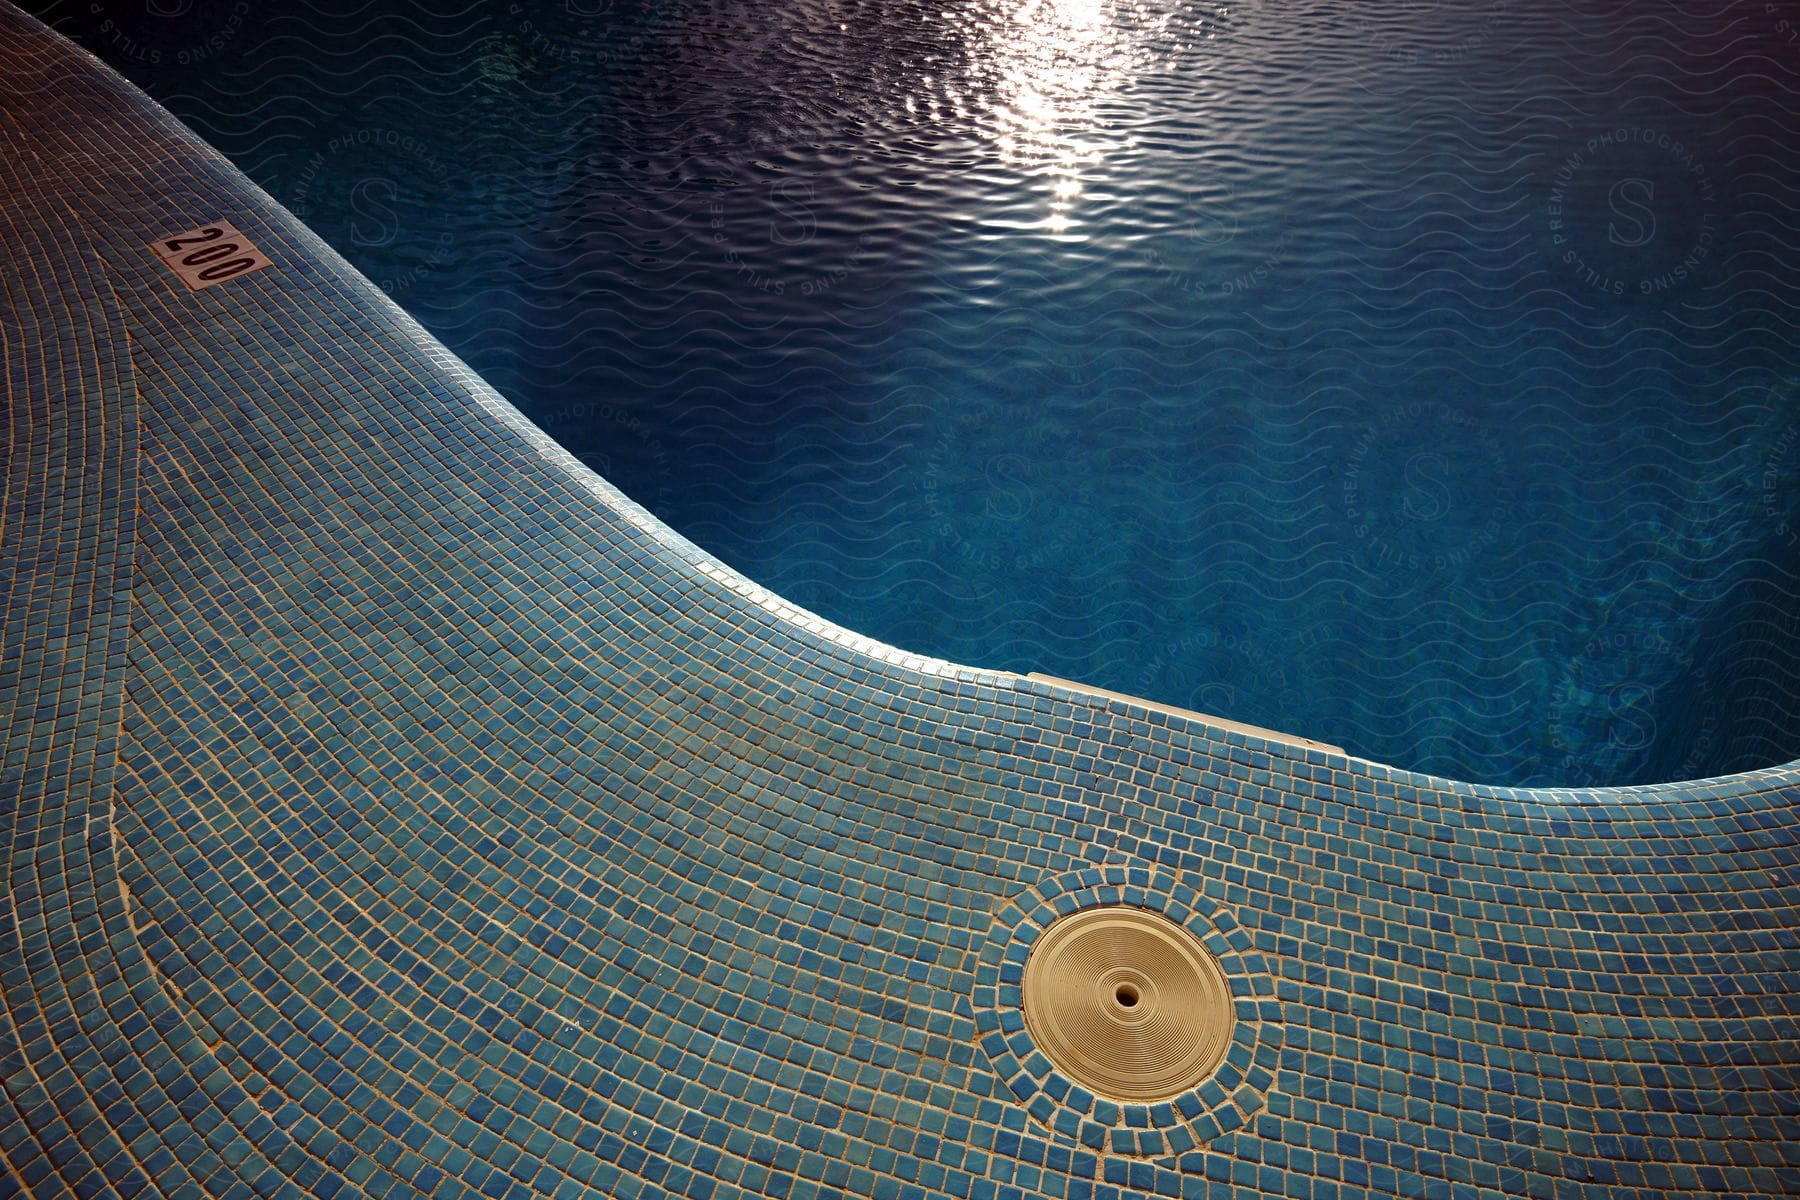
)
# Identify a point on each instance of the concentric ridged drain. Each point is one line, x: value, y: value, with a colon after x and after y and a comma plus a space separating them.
x: 1127, y: 1003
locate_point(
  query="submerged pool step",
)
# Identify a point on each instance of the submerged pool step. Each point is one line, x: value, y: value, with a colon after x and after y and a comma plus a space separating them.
x: 1273, y: 735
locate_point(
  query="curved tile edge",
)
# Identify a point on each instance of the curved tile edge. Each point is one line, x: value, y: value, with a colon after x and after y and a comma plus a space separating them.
x: 541, y: 854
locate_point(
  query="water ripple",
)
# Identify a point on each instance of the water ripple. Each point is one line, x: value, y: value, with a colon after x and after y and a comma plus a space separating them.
x: 1415, y: 376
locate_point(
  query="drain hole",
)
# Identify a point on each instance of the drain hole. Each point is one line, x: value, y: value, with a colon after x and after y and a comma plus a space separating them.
x: 1126, y: 1003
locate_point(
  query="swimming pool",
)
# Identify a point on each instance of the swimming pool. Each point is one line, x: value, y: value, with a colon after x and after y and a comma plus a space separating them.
x: 1418, y: 378
x: 389, y: 806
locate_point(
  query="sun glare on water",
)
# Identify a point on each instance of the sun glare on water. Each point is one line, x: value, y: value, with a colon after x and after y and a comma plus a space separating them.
x: 1056, y: 61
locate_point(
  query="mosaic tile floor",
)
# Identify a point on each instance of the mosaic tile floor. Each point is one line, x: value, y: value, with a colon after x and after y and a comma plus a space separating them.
x: 394, y: 809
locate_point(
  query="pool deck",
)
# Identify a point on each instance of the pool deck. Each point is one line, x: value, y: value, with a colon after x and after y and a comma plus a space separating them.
x: 393, y: 808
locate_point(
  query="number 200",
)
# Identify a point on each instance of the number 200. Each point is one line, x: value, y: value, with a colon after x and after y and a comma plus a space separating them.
x: 211, y: 252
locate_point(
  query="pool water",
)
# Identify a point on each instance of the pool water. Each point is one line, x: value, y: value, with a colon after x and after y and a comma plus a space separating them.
x: 1419, y: 377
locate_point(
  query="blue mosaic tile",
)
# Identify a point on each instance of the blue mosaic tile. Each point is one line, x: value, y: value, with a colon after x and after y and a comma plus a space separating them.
x: 393, y: 809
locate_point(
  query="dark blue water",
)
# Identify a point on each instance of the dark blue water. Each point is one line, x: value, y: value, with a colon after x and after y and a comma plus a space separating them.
x: 1416, y: 376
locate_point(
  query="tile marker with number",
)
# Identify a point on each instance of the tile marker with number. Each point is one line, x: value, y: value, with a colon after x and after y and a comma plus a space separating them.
x: 209, y: 255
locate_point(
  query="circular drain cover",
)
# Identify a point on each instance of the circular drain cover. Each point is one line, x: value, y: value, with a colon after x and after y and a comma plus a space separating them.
x: 1127, y: 1003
